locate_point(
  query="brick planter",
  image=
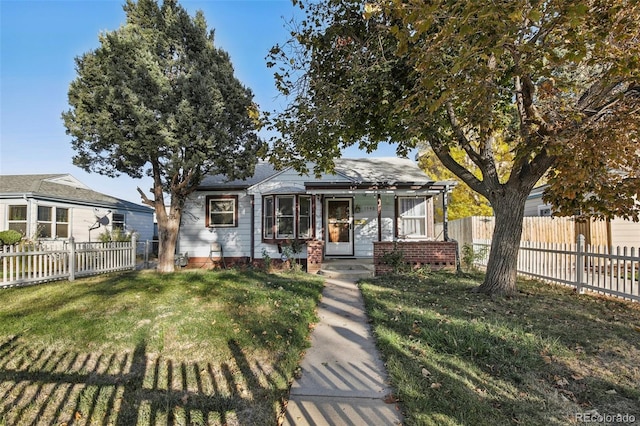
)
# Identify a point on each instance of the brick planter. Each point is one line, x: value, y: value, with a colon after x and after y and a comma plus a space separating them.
x: 435, y: 254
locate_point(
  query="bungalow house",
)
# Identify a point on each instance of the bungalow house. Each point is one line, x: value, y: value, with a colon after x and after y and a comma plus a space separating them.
x: 58, y: 206
x: 617, y: 232
x: 365, y: 202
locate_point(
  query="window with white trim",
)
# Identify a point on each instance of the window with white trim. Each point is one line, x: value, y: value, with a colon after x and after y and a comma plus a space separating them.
x: 45, y: 221
x: 222, y: 211
x: 62, y: 222
x: 287, y: 217
x: 53, y: 222
x: 18, y: 219
x: 412, y: 217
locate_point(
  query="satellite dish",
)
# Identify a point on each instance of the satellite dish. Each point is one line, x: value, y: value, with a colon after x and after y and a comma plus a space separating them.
x: 104, y: 220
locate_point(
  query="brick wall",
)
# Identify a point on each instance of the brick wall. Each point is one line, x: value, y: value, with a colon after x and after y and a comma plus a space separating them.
x: 435, y: 254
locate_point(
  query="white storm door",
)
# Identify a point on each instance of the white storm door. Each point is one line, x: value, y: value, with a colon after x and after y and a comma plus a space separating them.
x: 339, y: 226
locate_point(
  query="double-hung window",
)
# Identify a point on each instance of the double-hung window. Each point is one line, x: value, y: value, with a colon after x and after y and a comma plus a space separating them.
x: 62, y: 222
x: 222, y: 211
x: 45, y: 221
x: 412, y: 217
x: 287, y: 217
x: 18, y: 219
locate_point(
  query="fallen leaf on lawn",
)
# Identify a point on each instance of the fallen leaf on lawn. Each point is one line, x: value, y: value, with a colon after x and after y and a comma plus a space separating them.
x: 425, y: 372
x: 78, y: 415
x: 611, y: 392
x: 436, y: 385
x: 577, y: 377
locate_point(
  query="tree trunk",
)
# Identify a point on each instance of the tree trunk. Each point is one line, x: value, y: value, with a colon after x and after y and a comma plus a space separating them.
x: 508, y: 208
x: 168, y: 236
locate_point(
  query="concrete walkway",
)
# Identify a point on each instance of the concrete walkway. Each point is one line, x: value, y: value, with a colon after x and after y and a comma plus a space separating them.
x: 343, y: 380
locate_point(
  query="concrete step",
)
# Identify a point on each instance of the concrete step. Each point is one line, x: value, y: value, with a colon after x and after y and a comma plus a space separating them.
x: 347, y: 269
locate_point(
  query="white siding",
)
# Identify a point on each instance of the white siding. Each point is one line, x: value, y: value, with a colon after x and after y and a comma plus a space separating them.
x: 365, y: 218
x: 196, y: 238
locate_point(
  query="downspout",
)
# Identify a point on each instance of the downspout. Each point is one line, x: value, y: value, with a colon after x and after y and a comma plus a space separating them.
x: 445, y: 215
x: 379, y: 202
x: 253, y: 229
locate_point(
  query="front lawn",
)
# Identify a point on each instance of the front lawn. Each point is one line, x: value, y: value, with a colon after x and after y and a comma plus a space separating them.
x: 144, y: 348
x: 545, y: 357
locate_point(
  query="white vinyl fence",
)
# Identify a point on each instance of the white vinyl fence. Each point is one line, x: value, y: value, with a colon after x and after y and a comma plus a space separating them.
x: 613, y: 272
x: 31, y: 264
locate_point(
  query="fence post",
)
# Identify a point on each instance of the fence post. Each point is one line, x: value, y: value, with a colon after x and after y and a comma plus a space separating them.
x: 146, y: 254
x: 134, y: 245
x: 580, y: 263
x: 72, y: 258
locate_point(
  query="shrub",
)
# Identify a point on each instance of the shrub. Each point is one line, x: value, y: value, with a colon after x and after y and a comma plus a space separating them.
x: 116, y: 235
x: 395, y: 259
x: 10, y: 237
x: 470, y: 256
x: 266, y: 260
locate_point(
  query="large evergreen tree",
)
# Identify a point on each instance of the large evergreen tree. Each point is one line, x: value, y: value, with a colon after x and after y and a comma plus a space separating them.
x: 159, y: 98
x: 558, y: 81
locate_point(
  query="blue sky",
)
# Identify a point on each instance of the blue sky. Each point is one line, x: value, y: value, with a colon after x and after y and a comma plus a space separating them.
x: 39, y: 40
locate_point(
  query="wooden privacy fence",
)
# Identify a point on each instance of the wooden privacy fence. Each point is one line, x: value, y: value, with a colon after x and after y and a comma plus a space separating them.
x: 613, y: 272
x: 38, y: 263
x: 538, y: 229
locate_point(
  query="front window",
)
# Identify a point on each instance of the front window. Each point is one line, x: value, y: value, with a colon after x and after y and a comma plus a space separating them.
x: 412, y: 217
x: 305, y: 213
x: 222, y: 211
x: 18, y: 219
x: 287, y: 217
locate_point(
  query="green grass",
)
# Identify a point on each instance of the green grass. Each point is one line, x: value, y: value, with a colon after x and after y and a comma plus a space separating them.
x: 545, y: 357
x: 183, y: 348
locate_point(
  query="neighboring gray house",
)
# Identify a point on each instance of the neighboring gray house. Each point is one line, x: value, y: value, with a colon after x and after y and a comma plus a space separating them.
x: 366, y: 200
x: 619, y: 232
x: 58, y: 206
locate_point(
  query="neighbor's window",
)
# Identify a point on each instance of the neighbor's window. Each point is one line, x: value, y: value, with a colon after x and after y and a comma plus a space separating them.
x: 287, y: 217
x: 222, y: 211
x: 412, y: 217
x: 53, y: 222
x: 45, y: 221
x: 62, y: 222
x: 117, y: 222
x: 18, y: 219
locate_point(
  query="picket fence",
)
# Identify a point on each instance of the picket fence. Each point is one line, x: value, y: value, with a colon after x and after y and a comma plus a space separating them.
x: 37, y: 263
x: 613, y: 272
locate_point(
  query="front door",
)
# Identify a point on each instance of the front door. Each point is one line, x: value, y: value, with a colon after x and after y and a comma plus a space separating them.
x: 339, y: 225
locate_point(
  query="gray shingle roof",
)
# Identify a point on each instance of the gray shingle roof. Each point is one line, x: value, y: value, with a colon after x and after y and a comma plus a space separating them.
x: 381, y: 170
x: 45, y: 186
x: 375, y: 169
